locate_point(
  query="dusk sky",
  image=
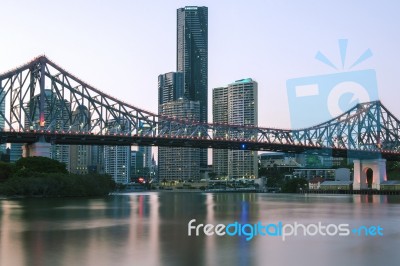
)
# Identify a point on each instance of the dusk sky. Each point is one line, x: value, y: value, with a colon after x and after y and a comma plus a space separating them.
x: 120, y: 47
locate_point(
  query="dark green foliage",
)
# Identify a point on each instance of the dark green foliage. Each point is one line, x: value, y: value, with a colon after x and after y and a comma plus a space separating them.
x: 393, y: 170
x: 58, y: 185
x: 212, y: 175
x: 294, y: 185
x: 40, y: 165
x: 275, y: 175
x: 392, y: 166
x: 6, y: 171
x: 40, y: 176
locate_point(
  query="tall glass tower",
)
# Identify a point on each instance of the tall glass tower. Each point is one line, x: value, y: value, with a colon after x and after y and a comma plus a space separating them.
x: 192, y: 58
x: 170, y: 87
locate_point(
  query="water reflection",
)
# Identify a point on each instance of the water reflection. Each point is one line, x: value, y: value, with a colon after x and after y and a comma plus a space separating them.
x: 151, y: 229
x: 174, y: 243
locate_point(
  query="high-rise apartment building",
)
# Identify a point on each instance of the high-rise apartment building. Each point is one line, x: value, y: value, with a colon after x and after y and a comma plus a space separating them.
x: 117, y: 159
x: 179, y: 163
x: 147, y: 156
x: 192, y: 58
x: 236, y: 104
x: 220, y: 115
x: 80, y: 155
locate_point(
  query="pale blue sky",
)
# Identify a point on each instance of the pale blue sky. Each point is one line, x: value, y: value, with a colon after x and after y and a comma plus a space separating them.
x: 120, y: 47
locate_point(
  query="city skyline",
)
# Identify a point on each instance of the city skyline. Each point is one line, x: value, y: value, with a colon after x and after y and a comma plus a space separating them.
x: 324, y: 194
x: 185, y: 90
x: 281, y: 40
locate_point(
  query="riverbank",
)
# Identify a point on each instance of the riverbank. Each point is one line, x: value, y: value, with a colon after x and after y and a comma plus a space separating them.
x: 44, y: 177
x: 56, y: 185
x: 190, y: 190
x: 351, y: 192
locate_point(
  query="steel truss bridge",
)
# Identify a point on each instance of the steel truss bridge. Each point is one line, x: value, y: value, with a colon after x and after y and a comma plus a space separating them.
x: 40, y: 101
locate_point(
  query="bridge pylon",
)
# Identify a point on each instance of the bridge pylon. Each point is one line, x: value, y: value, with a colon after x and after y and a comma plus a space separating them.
x: 40, y: 148
x: 361, y: 167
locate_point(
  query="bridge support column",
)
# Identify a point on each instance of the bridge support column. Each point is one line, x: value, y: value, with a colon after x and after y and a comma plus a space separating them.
x: 36, y: 149
x: 378, y: 167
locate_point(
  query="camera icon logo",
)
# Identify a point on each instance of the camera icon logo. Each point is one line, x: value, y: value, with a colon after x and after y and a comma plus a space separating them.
x: 317, y: 99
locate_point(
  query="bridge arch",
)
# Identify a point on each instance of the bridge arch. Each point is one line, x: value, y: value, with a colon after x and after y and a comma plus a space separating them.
x: 40, y: 102
x: 369, y: 173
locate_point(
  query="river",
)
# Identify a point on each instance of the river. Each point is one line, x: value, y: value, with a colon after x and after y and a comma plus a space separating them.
x: 152, y: 229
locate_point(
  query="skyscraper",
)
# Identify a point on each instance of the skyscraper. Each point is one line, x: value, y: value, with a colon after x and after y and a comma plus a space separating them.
x: 80, y: 155
x: 147, y: 156
x: 236, y: 104
x: 117, y: 162
x: 179, y: 163
x: 220, y: 115
x: 183, y: 94
x: 117, y: 159
x: 170, y: 87
x: 136, y: 165
x: 192, y: 58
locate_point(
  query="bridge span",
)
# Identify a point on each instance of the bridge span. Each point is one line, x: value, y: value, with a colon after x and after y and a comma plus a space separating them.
x: 42, y: 102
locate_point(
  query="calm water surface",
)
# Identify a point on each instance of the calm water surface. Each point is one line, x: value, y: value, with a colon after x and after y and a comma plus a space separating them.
x: 151, y: 229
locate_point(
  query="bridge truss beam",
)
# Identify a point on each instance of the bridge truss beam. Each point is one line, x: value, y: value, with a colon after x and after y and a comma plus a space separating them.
x: 42, y: 99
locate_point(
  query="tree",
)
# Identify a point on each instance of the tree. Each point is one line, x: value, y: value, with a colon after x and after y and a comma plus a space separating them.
x: 393, y: 170
x: 6, y: 171
x: 40, y: 164
x: 292, y: 185
x: 212, y: 175
x: 58, y: 185
x: 393, y: 166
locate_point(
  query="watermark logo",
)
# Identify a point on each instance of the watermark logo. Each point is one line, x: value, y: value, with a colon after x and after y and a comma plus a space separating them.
x: 317, y: 99
x: 281, y: 230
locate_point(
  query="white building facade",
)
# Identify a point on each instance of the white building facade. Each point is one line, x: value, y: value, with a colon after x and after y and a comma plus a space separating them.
x: 236, y: 104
